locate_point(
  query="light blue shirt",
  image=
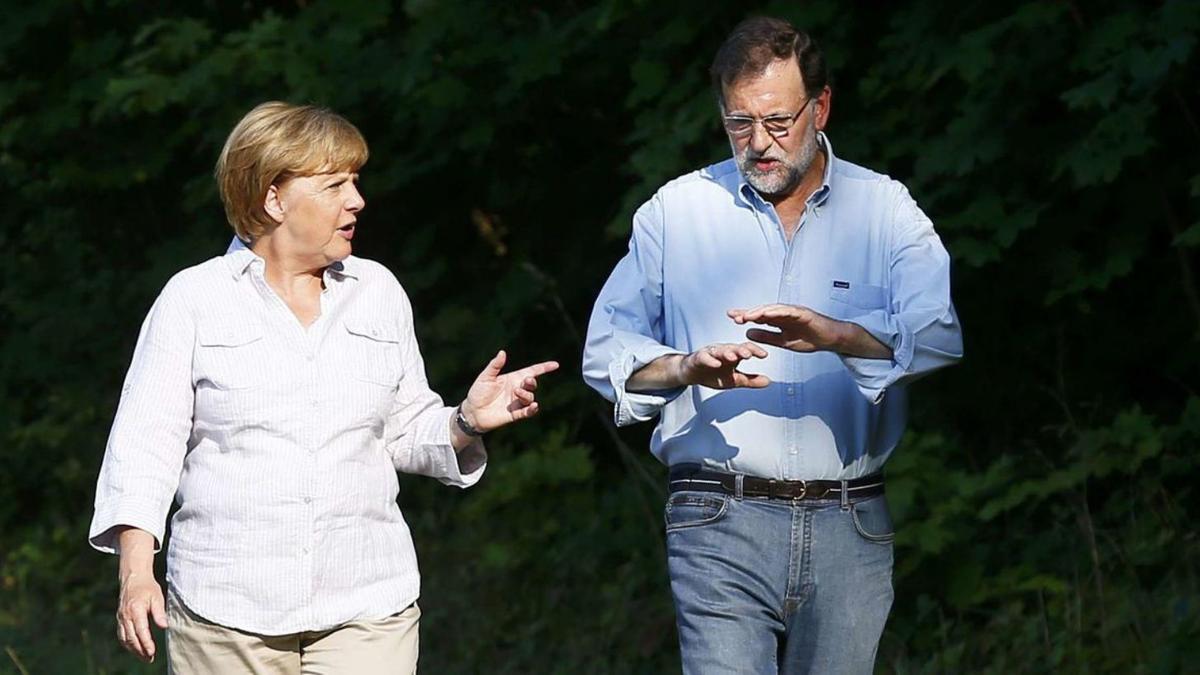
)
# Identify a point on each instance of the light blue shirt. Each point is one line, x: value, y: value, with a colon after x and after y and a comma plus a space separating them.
x: 706, y: 243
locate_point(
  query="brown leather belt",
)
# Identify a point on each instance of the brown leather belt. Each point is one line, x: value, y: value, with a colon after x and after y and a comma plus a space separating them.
x: 716, y: 481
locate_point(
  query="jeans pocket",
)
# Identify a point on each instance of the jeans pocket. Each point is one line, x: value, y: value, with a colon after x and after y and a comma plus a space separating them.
x: 873, y: 521
x: 693, y: 509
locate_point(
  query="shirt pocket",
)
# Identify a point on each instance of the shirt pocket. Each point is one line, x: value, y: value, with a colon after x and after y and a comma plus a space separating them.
x: 374, y: 352
x: 232, y: 356
x: 862, y: 296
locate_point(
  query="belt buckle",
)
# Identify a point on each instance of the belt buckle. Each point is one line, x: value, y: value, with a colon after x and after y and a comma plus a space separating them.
x: 803, y: 490
x: 780, y: 488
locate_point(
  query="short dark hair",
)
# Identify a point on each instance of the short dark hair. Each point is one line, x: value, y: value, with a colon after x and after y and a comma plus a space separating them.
x: 759, y: 41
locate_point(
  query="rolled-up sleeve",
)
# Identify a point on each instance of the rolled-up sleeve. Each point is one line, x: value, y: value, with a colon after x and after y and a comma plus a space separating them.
x: 625, y: 332
x: 919, y: 324
x: 418, y: 427
x: 149, y: 436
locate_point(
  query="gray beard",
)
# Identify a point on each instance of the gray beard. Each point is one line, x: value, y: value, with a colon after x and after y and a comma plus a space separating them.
x: 782, y: 181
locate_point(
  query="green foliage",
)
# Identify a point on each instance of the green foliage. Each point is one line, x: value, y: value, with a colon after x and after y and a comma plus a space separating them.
x: 1043, y: 495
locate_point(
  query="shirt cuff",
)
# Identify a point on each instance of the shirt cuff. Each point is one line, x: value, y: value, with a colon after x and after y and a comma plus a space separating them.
x: 874, y: 376
x: 462, y: 468
x: 144, y: 514
x: 633, y: 406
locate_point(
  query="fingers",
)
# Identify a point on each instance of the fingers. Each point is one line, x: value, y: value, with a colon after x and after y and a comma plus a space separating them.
x: 528, y: 384
x: 139, y: 601
x: 515, y: 399
x: 780, y: 340
x: 133, y: 635
x: 158, y: 610
x: 141, y: 626
x: 523, y: 395
x: 750, y: 380
x: 518, y: 409
x: 707, y: 359
x: 526, y: 412
x: 755, y: 350
x: 724, y: 355
x: 538, y: 369
x: 743, y: 315
x: 493, y: 368
x: 773, y: 314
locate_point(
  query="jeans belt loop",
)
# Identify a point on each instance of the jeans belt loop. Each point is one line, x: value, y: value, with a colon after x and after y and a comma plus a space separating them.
x: 845, y: 495
x: 737, y: 486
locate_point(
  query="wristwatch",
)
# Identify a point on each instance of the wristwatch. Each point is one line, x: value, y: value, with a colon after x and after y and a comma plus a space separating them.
x: 464, y: 425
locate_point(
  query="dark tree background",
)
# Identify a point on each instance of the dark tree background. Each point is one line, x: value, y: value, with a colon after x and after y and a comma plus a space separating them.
x: 1043, y: 493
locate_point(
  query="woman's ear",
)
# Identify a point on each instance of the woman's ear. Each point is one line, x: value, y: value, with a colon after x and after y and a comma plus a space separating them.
x: 273, y: 204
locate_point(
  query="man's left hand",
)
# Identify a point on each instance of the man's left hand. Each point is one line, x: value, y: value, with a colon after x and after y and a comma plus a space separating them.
x: 803, y: 330
x: 800, y: 328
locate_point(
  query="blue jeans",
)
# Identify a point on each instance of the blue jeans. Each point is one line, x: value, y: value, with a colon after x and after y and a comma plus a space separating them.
x: 771, y: 586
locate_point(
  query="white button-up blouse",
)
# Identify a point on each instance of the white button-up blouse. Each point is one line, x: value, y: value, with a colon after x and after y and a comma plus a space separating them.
x: 280, y: 444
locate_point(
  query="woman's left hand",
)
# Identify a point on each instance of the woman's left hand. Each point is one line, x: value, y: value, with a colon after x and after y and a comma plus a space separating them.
x: 496, y: 399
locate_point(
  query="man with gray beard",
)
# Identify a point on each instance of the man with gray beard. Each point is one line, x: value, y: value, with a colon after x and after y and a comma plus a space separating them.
x: 779, y: 542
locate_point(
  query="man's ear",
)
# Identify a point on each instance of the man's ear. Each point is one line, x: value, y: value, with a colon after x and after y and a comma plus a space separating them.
x: 273, y: 204
x: 823, y: 103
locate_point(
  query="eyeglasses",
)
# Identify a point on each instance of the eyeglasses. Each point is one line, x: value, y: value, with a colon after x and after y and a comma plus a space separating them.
x: 740, y: 126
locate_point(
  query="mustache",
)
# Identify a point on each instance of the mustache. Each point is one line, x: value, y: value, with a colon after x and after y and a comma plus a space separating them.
x: 750, y: 155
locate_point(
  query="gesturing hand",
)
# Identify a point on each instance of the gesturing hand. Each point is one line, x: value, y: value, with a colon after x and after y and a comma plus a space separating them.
x: 495, y: 400
x: 141, y: 597
x: 716, y: 366
x: 800, y: 328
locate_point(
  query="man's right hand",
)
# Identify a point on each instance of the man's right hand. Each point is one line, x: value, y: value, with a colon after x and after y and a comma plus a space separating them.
x: 714, y: 366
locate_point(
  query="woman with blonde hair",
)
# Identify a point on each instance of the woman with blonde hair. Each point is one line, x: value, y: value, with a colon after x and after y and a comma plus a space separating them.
x: 274, y: 393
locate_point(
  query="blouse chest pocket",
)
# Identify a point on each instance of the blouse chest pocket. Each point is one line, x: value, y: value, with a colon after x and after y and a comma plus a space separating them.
x: 232, y: 356
x: 857, y: 295
x: 373, y: 352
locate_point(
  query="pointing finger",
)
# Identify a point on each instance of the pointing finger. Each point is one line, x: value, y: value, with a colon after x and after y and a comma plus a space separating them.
x: 539, y: 369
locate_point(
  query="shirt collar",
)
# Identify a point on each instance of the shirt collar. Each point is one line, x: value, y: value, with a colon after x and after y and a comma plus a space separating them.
x: 239, y: 257
x: 751, y: 196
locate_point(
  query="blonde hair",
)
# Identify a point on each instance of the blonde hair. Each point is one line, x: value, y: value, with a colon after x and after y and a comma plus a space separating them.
x: 273, y: 143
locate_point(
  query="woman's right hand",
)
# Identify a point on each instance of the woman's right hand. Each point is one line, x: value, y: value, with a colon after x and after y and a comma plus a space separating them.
x: 141, y: 597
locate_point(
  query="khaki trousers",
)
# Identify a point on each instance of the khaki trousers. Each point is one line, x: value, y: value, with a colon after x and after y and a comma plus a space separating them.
x: 385, y: 646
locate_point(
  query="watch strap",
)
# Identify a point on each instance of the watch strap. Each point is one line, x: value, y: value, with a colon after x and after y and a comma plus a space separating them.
x: 465, y: 426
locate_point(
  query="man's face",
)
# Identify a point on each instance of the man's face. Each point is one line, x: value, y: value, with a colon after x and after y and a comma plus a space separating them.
x: 774, y: 166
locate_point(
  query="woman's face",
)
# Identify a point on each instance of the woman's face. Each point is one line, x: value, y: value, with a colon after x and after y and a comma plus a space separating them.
x: 316, y: 215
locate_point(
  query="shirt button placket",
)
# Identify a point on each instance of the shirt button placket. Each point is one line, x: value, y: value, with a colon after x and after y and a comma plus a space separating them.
x: 793, y: 413
x: 314, y: 425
